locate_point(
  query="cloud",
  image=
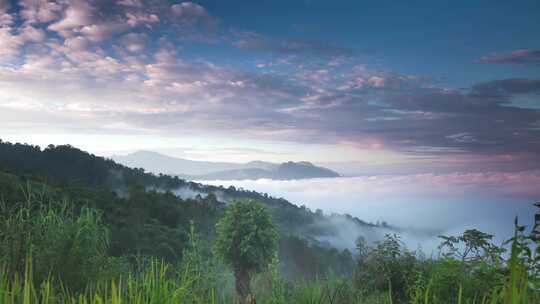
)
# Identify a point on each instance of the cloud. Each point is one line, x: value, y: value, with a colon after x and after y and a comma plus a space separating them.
x: 32, y: 34
x: 84, y: 18
x: 134, y: 42
x: 132, y: 3
x: 40, y: 11
x: 10, y: 44
x: 6, y: 19
x: 422, y: 205
x: 102, y: 20
x: 77, y: 15
x: 129, y: 64
x: 165, y: 91
x: 137, y: 18
x: 529, y: 57
x: 190, y: 12
x: 463, y: 137
x: 253, y: 41
x: 99, y: 32
x: 506, y: 88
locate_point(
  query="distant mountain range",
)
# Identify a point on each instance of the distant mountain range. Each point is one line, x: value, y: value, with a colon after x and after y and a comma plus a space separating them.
x: 202, y: 170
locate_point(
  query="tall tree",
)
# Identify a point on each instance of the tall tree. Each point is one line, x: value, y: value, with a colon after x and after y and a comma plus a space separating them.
x: 246, y: 240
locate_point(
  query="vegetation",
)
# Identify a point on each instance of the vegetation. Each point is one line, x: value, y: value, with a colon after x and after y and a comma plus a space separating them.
x: 145, y: 216
x: 246, y: 240
x: 74, y: 268
x: 67, y: 236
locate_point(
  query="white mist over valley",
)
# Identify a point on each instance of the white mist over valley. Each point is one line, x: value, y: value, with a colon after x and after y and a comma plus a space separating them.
x: 422, y: 206
x: 418, y: 206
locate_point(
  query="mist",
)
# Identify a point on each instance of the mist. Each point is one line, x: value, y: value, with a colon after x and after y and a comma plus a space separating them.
x: 419, y: 206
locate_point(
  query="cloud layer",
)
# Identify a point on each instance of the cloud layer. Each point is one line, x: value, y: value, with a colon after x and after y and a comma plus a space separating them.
x: 423, y: 205
x: 518, y: 57
x: 130, y: 67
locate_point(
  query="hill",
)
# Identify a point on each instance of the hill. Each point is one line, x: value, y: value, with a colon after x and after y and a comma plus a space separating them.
x: 79, y: 220
x: 158, y: 163
x: 285, y: 171
x: 151, y: 214
x: 202, y: 170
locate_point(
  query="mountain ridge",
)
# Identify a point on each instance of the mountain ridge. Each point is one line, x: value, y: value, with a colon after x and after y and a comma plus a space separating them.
x: 204, y: 170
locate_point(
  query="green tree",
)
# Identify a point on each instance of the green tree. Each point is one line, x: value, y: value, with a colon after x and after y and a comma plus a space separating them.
x: 471, y: 247
x: 246, y: 240
x: 386, y: 267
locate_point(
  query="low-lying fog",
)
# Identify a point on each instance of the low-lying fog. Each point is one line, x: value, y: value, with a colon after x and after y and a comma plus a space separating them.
x: 426, y: 205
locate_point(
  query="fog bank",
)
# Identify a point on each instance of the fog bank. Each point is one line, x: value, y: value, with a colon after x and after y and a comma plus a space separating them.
x: 423, y: 205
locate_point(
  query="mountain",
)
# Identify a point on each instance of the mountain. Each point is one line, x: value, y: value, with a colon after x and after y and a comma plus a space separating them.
x: 261, y: 165
x: 285, y: 171
x: 158, y: 163
x: 299, y: 170
x: 202, y: 170
x: 239, y: 174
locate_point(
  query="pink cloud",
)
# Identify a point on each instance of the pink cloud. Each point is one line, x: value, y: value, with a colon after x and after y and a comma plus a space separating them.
x: 10, y: 44
x: 78, y: 14
x: 132, y: 3
x: 32, y: 34
x: 6, y: 19
x: 134, y: 42
x: 137, y: 18
x: 376, y: 81
x: 100, y: 31
x: 518, y: 57
x: 190, y: 13
x: 40, y: 11
x: 188, y: 10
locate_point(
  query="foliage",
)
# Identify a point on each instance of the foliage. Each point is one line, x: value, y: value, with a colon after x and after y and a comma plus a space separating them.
x: 75, y: 228
x: 157, y: 284
x: 145, y: 217
x: 471, y: 247
x: 57, y: 240
x: 201, y: 280
x: 198, y: 263
x: 246, y: 240
x: 388, y: 266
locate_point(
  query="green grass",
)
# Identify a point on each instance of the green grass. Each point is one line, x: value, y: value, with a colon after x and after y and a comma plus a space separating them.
x: 52, y: 254
x: 160, y: 283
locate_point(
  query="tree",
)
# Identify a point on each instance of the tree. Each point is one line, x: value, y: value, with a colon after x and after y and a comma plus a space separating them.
x: 470, y: 247
x: 246, y: 240
x: 387, y: 266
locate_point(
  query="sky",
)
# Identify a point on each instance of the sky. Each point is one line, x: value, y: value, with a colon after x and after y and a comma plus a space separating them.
x: 409, y: 87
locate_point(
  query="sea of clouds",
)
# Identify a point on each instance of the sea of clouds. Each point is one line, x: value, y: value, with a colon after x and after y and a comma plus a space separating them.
x: 423, y: 205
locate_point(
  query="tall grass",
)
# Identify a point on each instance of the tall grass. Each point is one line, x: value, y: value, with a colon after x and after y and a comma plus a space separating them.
x: 52, y: 254
x: 161, y: 283
x: 156, y: 285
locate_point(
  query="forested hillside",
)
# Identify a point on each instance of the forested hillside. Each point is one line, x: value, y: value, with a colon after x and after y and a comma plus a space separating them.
x: 150, y: 214
x: 79, y: 228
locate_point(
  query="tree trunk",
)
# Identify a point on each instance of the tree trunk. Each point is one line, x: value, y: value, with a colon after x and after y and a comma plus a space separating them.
x: 242, y: 284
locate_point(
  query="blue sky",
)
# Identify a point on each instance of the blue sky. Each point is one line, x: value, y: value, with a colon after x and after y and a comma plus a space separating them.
x: 416, y: 86
x: 428, y: 38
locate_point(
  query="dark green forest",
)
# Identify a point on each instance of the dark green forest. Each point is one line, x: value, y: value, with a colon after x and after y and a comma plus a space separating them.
x: 77, y: 226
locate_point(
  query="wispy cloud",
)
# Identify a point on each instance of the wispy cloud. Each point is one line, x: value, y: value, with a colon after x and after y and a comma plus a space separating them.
x: 529, y: 57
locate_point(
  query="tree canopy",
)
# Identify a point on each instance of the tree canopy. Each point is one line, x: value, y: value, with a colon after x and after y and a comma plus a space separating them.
x: 246, y: 240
